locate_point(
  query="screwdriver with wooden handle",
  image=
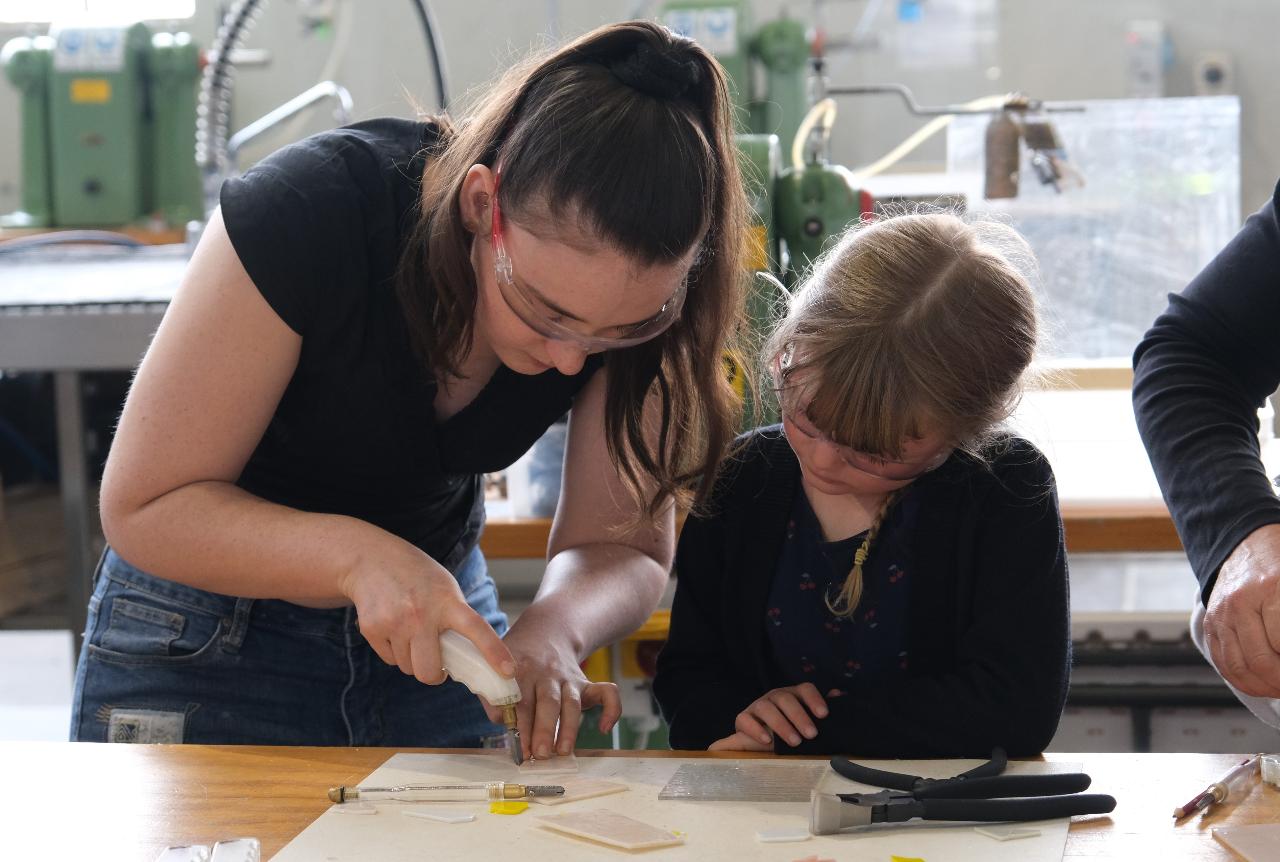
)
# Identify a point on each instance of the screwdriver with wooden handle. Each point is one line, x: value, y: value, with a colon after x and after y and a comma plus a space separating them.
x: 462, y: 661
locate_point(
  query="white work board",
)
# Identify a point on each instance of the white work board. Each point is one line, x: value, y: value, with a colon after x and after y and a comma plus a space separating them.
x: 712, y: 830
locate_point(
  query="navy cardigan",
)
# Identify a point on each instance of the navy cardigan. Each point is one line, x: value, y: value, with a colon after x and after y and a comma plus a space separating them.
x: 988, y: 617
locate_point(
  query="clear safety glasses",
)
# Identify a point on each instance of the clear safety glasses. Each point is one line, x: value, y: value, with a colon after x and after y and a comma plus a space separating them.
x: 795, y: 413
x: 534, y: 311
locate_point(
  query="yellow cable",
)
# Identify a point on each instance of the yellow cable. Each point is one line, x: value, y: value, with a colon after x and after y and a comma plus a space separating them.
x: 921, y: 135
x: 826, y: 107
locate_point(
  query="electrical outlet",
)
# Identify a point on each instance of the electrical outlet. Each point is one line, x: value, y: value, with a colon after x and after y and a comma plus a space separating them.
x: 1213, y: 74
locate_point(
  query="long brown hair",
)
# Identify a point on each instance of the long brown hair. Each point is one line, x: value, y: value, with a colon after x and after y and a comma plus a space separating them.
x: 629, y: 131
x: 916, y: 323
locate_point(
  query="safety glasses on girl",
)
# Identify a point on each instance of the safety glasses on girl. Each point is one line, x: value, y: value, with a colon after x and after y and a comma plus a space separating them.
x: 795, y: 414
x: 889, y: 469
x: 546, y: 320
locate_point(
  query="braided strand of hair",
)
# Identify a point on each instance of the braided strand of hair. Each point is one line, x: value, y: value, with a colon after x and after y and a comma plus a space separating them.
x: 851, y: 591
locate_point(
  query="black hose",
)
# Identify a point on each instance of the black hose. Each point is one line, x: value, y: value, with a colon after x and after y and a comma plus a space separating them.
x: 214, y: 111
x: 67, y: 237
x: 432, y: 32
x: 213, y: 114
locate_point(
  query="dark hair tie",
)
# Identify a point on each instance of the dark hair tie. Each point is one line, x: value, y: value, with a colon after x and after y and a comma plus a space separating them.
x: 656, y: 73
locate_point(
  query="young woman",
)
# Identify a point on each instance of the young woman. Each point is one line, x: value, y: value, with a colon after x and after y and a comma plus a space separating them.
x: 375, y: 317
x: 884, y: 575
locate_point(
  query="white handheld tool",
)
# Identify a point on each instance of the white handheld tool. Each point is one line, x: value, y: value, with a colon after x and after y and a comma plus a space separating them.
x: 462, y: 661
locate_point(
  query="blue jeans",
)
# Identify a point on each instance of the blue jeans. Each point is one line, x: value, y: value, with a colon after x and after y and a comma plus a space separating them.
x: 163, y: 662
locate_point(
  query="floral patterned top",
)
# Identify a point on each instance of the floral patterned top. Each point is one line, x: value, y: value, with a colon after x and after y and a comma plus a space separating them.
x: 809, y: 642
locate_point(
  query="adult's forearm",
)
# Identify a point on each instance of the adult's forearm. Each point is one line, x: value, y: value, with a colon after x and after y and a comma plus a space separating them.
x: 218, y: 537
x: 1200, y: 374
x: 1200, y: 429
x: 594, y: 595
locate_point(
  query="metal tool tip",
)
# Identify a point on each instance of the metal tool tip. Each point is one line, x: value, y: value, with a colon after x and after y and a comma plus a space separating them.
x: 517, y: 750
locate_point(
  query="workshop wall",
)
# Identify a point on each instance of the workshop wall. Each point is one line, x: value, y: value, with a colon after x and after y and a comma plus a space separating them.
x: 955, y: 50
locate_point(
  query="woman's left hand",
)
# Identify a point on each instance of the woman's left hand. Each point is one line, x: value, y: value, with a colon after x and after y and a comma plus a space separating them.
x: 554, y: 692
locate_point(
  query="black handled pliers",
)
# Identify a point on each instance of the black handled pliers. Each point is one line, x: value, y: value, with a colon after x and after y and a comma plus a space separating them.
x: 981, y: 794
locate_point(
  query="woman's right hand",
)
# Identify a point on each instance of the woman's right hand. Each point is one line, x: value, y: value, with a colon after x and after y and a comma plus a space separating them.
x: 404, y: 599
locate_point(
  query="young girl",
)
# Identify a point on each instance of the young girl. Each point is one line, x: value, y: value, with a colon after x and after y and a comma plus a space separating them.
x: 884, y: 574
x: 376, y: 317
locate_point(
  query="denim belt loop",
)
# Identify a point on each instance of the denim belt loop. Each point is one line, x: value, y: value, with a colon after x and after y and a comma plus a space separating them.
x: 97, y: 570
x: 234, y: 637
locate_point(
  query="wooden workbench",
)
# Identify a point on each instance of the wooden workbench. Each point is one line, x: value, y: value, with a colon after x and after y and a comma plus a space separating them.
x: 127, y: 802
x: 1110, y: 527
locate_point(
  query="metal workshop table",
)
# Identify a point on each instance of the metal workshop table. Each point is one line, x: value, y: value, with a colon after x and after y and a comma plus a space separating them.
x: 68, y: 310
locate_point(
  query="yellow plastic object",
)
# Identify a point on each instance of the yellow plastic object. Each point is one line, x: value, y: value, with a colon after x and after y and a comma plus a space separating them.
x: 905, y: 859
x: 597, y: 665
x: 654, y: 629
x: 508, y: 806
x: 758, y: 247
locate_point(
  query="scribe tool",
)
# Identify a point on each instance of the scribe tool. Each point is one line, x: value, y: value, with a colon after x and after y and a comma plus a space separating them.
x: 491, y: 791
x: 463, y: 661
x: 1236, y: 779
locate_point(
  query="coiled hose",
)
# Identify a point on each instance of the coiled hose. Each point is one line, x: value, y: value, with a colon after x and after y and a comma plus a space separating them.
x: 213, y: 111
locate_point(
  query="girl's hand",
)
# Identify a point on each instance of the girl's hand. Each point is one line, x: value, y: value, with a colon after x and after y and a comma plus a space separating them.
x: 784, y: 711
x: 404, y: 599
x: 555, y: 692
x: 739, y: 742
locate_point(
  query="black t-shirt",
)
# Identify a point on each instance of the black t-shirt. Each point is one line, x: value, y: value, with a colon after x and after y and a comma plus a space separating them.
x: 319, y: 227
x: 1200, y: 374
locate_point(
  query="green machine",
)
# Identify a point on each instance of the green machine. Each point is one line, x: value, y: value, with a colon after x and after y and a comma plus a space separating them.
x: 800, y: 200
x: 108, y: 127
x: 780, y: 48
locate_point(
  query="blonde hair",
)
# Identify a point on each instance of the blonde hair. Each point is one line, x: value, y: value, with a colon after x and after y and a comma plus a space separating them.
x: 916, y: 323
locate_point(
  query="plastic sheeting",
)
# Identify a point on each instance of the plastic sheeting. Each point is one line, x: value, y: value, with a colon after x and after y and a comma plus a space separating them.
x: 1161, y: 197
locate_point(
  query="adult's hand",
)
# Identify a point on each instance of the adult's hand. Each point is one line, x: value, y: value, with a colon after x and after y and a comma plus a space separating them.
x: 404, y: 599
x: 1242, y: 620
x: 554, y: 694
